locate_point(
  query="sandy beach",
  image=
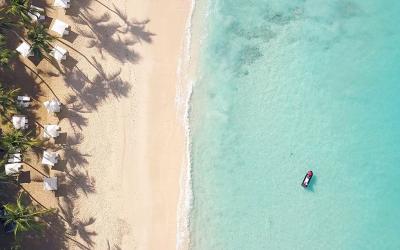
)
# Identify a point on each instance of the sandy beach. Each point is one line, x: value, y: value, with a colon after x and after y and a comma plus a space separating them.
x: 135, y: 140
x: 122, y: 133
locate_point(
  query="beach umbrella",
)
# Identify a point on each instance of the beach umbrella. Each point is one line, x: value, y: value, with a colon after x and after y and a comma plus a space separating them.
x: 49, y: 158
x: 50, y: 183
x: 19, y: 121
x: 51, y: 131
x: 53, y: 106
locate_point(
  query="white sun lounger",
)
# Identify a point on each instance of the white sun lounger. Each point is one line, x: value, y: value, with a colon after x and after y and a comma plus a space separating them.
x: 36, y: 13
x: 49, y: 158
x: 20, y: 122
x: 24, y: 49
x: 65, y: 4
x: 51, y: 131
x: 59, y: 53
x: 60, y: 27
x: 15, y: 158
x: 12, y: 168
x: 23, y: 101
x: 50, y: 183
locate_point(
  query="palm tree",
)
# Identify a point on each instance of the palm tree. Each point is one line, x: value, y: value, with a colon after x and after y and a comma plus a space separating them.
x: 16, y: 141
x: 19, y: 9
x: 22, y: 218
x: 41, y: 40
x: 5, y: 22
x: 5, y: 54
x: 7, y: 101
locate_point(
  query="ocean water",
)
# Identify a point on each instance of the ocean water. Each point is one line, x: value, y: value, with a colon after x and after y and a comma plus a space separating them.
x: 285, y: 86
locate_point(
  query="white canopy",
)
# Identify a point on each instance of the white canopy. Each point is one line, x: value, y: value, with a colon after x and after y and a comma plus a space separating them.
x: 49, y: 158
x: 15, y: 158
x: 51, y: 131
x: 61, y: 3
x: 20, y: 122
x: 12, y: 168
x: 24, y: 49
x: 53, y: 106
x: 59, y: 27
x: 59, y: 53
x: 50, y: 183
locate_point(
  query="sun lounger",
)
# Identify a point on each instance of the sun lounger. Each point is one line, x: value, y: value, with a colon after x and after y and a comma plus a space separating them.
x: 49, y: 158
x: 52, y: 106
x: 50, y: 183
x: 15, y: 158
x: 36, y: 13
x: 51, y: 131
x: 59, y: 53
x: 24, y: 49
x: 60, y: 27
x: 20, y: 122
x: 23, y: 101
x: 65, y: 4
x: 12, y: 168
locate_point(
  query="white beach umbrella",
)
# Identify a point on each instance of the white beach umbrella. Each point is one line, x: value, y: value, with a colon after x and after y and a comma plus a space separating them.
x: 51, y: 131
x: 59, y: 53
x: 24, y: 49
x: 61, y: 3
x: 52, y: 106
x: 49, y: 158
x: 50, y: 183
x: 12, y: 168
x: 19, y: 121
x: 59, y: 27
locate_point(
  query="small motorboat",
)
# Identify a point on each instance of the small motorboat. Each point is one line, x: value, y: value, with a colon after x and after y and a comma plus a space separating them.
x: 307, y: 179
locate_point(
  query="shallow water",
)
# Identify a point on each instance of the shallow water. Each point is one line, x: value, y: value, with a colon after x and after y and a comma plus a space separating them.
x: 286, y: 86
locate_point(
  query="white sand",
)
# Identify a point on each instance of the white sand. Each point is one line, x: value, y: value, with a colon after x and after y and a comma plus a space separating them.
x: 126, y: 140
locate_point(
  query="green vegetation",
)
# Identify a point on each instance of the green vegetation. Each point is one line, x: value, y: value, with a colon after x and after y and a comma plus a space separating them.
x: 22, y: 218
x: 16, y: 22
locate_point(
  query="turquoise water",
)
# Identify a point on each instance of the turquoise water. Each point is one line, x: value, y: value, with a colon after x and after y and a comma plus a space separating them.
x: 286, y: 86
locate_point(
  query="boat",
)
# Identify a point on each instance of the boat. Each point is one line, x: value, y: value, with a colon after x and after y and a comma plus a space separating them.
x: 307, y: 179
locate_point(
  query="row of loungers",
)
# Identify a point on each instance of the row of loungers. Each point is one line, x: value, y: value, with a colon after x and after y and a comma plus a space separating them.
x: 49, y: 158
x: 58, y: 27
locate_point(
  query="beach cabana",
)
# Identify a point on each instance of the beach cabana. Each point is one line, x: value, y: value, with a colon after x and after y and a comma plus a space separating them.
x: 24, y: 49
x: 15, y: 158
x: 51, y: 131
x: 50, y: 183
x: 36, y: 13
x: 60, y: 27
x: 49, y: 158
x: 20, y: 122
x: 23, y: 101
x: 59, y: 53
x: 52, y: 106
x: 65, y: 4
x: 12, y: 168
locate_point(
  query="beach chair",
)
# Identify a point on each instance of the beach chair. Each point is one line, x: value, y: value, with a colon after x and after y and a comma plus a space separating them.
x: 51, y: 131
x: 50, y: 183
x: 15, y: 158
x: 59, y: 53
x: 12, y: 168
x: 60, y: 27
x: 24, y: 49
x: 65, y: 4
x: 23, y: 101
x: 49, y: 158
x: 35, y: 13
x: 20, y: 122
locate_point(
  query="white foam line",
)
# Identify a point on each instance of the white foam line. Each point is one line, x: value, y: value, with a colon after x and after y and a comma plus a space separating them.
x: 184, y: 93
